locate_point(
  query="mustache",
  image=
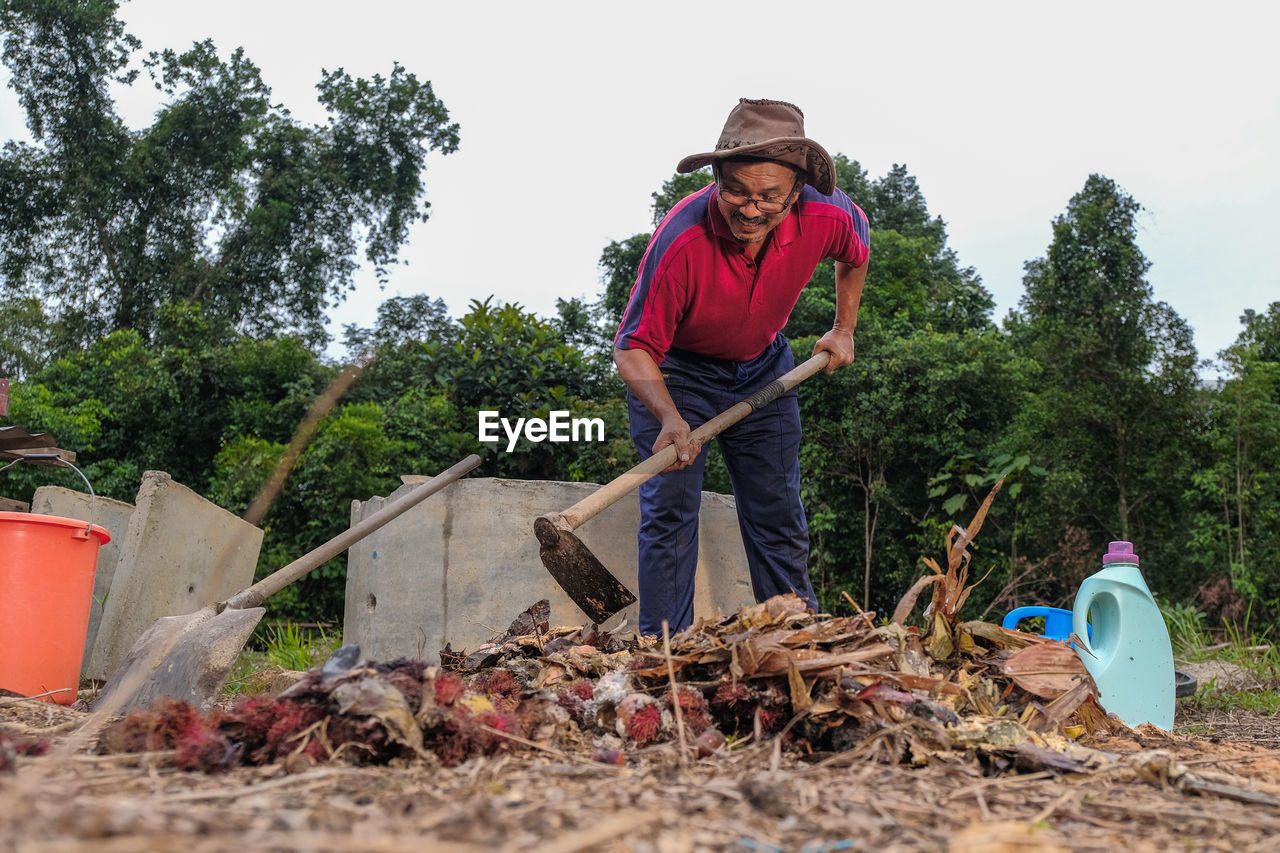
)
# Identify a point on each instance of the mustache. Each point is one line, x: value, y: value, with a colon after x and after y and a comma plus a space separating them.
x: 754, y: 220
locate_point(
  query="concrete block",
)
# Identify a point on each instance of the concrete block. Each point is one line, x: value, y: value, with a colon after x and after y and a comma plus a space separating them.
x: 179, y: 553
x: 114, y: 516
x: 460, y: 566
x: 10, y: 505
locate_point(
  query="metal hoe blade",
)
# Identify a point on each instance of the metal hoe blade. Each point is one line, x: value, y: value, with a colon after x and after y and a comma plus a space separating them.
x: 184, y: 657
x: 583, y: 577
x: 579, y: 573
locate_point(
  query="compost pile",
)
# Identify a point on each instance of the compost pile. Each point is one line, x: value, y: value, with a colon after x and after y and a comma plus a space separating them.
x: 770, y: 729
x: 819, y: 684
x: 822, y: 684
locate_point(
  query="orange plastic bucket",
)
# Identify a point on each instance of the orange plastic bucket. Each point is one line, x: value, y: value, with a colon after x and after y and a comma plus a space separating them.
x: 47, y: 564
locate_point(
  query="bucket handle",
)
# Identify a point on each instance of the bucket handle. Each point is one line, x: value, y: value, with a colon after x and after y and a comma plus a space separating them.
x: 59, y: 462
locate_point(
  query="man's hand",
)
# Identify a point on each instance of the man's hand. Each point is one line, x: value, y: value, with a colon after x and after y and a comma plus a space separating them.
x: 645, y: 381
x: 839, y: 343
x: 675, y: 430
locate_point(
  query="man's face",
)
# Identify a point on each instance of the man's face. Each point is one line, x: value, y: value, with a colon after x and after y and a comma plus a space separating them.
x: 767, y: 182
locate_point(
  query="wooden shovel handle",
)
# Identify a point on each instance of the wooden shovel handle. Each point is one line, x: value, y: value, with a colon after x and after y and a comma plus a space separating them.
x: 604, y: 497
x: 273, y: 583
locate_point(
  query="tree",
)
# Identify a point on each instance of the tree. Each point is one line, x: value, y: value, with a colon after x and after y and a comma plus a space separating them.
x: 24, y: 336
x: 1115, y: 415
x: 126, y: 407
x: 620, y: 261
x: 1235, y: 532
x: 932, y: 382
x: 914, y: 280
x: 225, y: 203
x: 878, y: 433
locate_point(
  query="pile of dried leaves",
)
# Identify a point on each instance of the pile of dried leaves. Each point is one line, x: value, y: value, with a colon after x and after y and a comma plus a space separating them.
x: 820, y: 684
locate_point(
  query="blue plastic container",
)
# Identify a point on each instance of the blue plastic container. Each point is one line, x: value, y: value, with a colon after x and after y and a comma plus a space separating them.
x: 1128, y: 654
x: 1057, y: 622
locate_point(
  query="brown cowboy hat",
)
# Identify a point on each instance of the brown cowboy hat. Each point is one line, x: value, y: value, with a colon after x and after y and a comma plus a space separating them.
x: 773, y: 130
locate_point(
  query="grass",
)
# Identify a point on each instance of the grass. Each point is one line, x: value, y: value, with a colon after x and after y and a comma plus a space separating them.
x: 1252, y: 652
x: 281, y: 646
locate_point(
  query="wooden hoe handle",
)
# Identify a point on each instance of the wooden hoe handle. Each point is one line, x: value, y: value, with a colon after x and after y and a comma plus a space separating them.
x: 604, y: 497
x: 273, y: 583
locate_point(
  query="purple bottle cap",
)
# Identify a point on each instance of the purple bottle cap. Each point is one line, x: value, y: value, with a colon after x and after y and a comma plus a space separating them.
x: 1120, y: 552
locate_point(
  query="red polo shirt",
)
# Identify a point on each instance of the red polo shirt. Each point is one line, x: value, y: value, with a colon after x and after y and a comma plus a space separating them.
x: 698, y: 291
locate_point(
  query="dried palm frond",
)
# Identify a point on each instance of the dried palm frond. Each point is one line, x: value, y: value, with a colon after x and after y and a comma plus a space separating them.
x: 950, y: 588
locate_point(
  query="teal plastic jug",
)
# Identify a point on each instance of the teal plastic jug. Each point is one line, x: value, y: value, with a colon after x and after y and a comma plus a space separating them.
x: 1128, y: 653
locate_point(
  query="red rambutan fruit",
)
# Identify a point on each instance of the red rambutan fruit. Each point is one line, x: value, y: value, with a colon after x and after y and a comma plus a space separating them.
x: 454, y: 741
x: 639, y: 718
x: 501, y: 687
x: 487, y: 742
x: 731, y: 694
x: 153, y: 728
x: 771, y: 719
x: 292, y: 718
x: 645, y: 724
x: 733, y: 707
x: 204, y: 749
x: 11, y: 748
x: 448, y: 688
x: 570, y: 701
x: 694, y: 712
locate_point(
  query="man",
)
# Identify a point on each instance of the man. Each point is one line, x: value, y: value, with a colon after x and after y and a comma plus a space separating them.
x: 702, y: 331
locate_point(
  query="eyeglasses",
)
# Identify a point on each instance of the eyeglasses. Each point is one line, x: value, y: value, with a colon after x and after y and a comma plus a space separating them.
x: 764, y: 205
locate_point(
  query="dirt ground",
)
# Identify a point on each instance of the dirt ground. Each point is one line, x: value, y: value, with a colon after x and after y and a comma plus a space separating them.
x: 1218, y: 789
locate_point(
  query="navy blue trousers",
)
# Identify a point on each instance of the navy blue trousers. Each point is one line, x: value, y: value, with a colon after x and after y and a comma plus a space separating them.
x: 762, y: 454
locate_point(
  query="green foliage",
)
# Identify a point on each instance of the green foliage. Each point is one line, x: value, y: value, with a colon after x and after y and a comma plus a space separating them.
x: 914, y: 280
x: 620, y: 264
x: 878, y: 433
x: 1236, y: 526
x: 676, y: 188
x: 1188, y: 632
x: 403, y: 322
x: 1115, y: 414
x: 504, y: 355
x: 1252, y: 654
x: 288, y: 647
x: 127, y: 407
x: 932, y: 381
x: 24, y: 336
x: 225, y: 201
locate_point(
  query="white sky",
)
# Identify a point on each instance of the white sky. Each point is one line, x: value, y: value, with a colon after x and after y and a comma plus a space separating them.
x: 577, y: 111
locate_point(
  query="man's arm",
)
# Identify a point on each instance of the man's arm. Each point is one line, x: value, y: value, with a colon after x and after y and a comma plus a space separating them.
x: 638, y: 370
x: 839, y: 341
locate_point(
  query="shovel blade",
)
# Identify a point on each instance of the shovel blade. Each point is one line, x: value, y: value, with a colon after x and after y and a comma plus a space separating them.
x: 579, y: 573
x: 181, y: 657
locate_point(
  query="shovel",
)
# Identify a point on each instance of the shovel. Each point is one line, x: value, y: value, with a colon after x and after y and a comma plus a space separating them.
x: 189, y: 657
x: 580, y: 574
